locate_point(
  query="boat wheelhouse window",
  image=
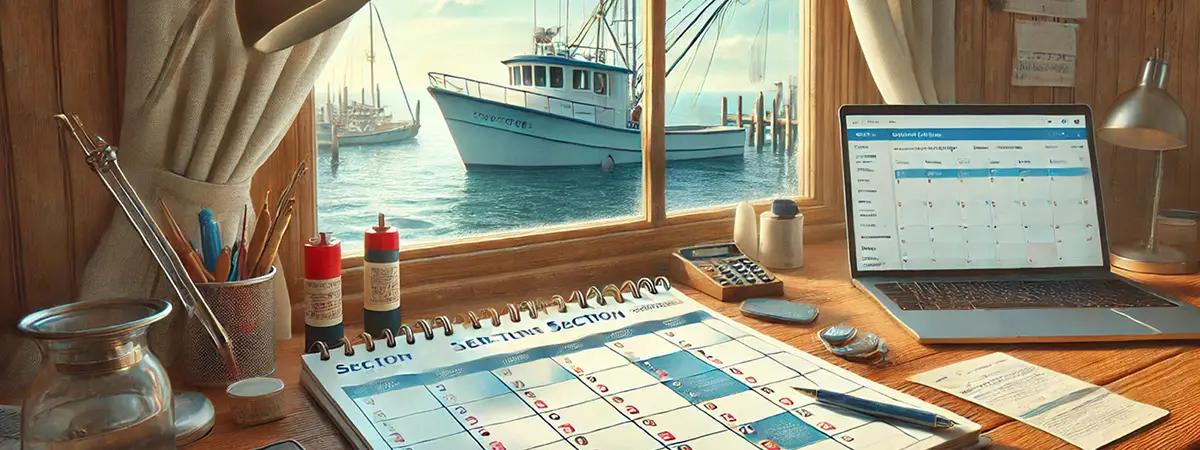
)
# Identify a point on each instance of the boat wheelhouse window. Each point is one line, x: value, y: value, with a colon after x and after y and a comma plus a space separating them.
x: 556, y: 77
x: 580, y: 78
x: 539, y: 76
x: 601, y: 84
x: 527, y: 75
x: 515, y: 78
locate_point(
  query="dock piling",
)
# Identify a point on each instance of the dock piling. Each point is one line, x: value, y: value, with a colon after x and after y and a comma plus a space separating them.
x: 740, y: 123
x: 724, y: 111
x: 759, y: 122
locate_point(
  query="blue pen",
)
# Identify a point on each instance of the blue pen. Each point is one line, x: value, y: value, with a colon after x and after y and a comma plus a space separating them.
x: 210, y: 240
x: 877, y: 409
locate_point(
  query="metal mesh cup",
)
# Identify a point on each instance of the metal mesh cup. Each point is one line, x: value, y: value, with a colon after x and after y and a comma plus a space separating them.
x: 247, y: 311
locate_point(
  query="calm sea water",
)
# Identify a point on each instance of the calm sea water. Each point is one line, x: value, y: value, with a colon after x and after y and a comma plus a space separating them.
x: 423, y: 188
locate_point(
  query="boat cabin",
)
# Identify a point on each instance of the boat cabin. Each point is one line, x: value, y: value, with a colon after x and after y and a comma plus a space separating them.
x: 575, y: 88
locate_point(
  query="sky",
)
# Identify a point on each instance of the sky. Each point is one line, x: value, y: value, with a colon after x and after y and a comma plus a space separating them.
x: 469, y: 38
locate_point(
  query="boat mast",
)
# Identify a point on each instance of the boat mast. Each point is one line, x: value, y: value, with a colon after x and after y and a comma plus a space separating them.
x: 371, y: 54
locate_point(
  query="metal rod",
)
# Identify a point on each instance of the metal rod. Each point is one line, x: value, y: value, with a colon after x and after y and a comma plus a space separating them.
x: 103, y: 160
x: 1152, y: 245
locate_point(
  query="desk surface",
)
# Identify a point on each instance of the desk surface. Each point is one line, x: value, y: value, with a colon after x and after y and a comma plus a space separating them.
x: 1164, y: 374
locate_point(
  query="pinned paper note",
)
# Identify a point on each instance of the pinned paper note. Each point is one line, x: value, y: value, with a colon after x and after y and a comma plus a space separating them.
x: 1068, y: 9
x: 1045, y: 54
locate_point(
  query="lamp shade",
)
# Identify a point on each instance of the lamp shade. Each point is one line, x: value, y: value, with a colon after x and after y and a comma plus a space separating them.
x: 1147, y: 117
x: 273, y: 25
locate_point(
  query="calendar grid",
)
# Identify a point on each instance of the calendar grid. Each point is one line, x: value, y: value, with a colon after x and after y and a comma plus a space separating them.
x: 686, y: 387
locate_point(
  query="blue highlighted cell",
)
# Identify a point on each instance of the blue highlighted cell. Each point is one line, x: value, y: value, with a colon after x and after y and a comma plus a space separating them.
x: 784, y: 430
x: 706, y: 386
x: 1010, y: 172
x: 674, y: 366
x: 967, y: 134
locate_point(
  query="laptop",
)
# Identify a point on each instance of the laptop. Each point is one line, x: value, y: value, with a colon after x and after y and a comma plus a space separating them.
x: 984, y: 223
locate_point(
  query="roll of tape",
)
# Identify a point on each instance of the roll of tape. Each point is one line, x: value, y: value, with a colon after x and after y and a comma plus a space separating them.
x: 256, y: 400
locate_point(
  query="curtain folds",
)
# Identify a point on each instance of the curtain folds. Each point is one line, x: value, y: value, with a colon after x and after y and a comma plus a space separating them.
x: 909, y: 46
x: 202, y: 113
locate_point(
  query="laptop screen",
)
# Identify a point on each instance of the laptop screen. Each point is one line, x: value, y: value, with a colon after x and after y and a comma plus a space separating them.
x: 947, y: 192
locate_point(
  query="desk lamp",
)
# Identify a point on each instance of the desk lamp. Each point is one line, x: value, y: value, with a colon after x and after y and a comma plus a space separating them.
x: 1148, y: 118
x: 273, y: 25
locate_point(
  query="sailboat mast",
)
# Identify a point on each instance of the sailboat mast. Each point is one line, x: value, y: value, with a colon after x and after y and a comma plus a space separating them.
x: 371, y: 54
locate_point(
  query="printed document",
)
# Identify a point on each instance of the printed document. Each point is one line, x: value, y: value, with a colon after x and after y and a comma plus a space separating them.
x: 1045, y: 54
x: 1083, y: 414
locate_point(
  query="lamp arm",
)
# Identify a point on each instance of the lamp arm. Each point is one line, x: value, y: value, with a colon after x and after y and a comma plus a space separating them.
x: 1152, y: 244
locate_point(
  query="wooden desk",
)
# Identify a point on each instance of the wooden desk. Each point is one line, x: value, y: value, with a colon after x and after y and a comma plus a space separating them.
x: 1164, y: 374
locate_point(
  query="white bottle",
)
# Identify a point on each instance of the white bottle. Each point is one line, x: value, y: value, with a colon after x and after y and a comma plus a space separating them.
x: 781, y: 240
x: 745, y: 230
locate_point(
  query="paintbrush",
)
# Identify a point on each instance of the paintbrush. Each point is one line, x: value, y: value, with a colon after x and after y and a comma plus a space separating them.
x: 259, y: 238
x: 240, y: 247
x: 274, y: 239
x: 179, y: 243
x: 223, y: 265
x: 287, y: 191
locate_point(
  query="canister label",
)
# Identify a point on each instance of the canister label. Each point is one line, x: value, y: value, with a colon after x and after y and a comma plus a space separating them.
x: 323, y: 302
x: 382, y: 286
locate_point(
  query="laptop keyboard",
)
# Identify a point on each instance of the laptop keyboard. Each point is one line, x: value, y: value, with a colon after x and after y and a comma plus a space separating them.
x: 1019, y: 294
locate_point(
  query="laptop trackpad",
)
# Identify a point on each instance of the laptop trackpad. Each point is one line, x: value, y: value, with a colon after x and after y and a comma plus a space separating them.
x: 1021, y: 325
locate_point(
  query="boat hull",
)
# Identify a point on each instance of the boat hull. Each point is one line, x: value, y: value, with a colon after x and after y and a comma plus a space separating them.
x: 393, y: 133
x: 491, y: 133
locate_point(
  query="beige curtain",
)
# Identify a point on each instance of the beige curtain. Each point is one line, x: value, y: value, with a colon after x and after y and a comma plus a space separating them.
x: 202, y: 113
x: 909, y: 46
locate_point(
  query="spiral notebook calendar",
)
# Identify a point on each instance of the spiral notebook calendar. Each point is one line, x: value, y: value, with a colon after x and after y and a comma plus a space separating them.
x: 655, y: 370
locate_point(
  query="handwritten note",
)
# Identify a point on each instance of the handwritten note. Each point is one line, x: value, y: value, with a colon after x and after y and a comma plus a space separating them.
x: 1045, y: 54
x: 1069, y: 9
x: 1081, y: 413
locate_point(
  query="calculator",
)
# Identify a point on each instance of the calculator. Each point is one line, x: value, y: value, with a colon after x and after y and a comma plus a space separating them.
x: 724, y: 272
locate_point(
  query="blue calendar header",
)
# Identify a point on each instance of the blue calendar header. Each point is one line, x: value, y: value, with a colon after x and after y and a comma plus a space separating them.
x: 967, y: 134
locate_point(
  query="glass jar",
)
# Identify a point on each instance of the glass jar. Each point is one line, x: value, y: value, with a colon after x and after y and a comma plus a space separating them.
x: 99, y: 386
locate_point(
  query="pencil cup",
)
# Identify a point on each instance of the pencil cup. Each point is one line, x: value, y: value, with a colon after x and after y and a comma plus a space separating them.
x: 247, y: 311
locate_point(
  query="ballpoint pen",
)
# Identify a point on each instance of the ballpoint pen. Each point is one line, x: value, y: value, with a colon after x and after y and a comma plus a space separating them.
x: 878, y: 409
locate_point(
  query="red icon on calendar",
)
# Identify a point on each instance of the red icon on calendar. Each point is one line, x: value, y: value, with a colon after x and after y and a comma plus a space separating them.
x: 666, y: 436
x: 540, y: 404
x: 710, y: 406
x: 602, y: 388
x: 826, y: 426
x: 578, y: 370
x: 496, y: 445
x: 566, y: 428
x: 632, y: 410
x: 661, y: 373
x: 397, y: 438
x: 728, y: 417
x: 471, y: 420
x: 518, y: 384
x: 746, y: 429
x: 769, y: 444
x: 786, y: 401
x: 752, y: 380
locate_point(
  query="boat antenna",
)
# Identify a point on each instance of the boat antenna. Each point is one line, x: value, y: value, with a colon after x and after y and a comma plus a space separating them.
x: 388, y: 44
x: 371, y: 55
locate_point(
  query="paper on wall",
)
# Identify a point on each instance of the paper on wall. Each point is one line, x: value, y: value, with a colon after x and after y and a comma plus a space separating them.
x: 1069, y: 9
x: 1045, y: 54
x: 1081, y: 413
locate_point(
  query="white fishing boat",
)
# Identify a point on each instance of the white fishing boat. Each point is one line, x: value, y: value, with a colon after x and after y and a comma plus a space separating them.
x: 564, y: 105
x: 366, y: 121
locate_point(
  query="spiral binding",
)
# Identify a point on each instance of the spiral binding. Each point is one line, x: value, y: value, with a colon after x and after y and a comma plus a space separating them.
x: 531, y: 308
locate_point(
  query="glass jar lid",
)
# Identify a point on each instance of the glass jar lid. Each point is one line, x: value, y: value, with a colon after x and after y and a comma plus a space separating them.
x: 91, y: 319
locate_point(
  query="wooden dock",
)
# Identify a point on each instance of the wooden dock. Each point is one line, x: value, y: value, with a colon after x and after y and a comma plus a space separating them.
x: 781, y: 121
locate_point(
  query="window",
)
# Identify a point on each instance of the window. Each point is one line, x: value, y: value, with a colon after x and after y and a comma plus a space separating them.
x: 580, y: 78
x: 436, y: 201
x: 556, y: 77
x: 527, y: 75
x: 539, y: 76
x: 731, y: 172
x: 601, y: 84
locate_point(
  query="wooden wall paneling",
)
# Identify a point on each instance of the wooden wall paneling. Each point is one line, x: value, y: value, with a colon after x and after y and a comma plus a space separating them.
x: 1177, y: 172
x: 11, y: 290
x: 1172, y: 21
x: 998, y: 49
x: 1123, y: 197
x: 1187, y: 178
x: 29, y: 33
x: 1144, y: 163
x: 969, y: 51
x: 1085, y: 58
x: 298, y: 144
x: 1107, y: 18
x: 87, y: 78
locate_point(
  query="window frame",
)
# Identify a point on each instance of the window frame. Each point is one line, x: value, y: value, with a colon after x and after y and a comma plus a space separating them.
x: 600, y: 83
x: 587, y: 84
x: 819, y: 193
x: 562, y: 77
x: 526, y: 75
x: 514, y: 77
